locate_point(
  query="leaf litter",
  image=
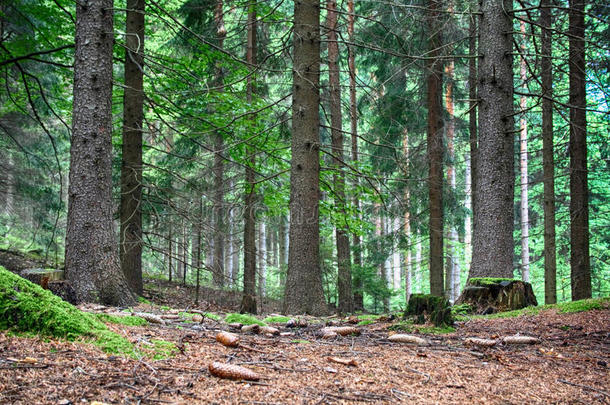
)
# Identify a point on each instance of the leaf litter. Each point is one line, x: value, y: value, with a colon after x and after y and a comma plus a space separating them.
x: 542, y: 358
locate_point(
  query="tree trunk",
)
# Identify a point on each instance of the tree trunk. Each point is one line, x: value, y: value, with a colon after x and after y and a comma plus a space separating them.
x: 550, y: 258
x: 131, y: 156
x: 525, y: 219
x: 358, y: 300
x: 170, y: 249
x: 248, y: 303
x: 304, y: 293
x: 344, y: 276
x: 472, y: 115
x: 579, y: 201
x: 262, y: 259
x: 493, y: 244
x: 435, y: 149
x: 452, y: 267
x: 407, y: 226
x: 92, y: 261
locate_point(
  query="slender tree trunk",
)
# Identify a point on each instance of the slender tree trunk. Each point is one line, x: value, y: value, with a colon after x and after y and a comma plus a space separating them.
x: 451, y: 265
x: 351, y: 62
x: 344, y: 277
x: 579, y: 201
x: 396, y: 262
x: 435, y: 149
x: 407, y: 226
x: 493, y: 245
x: 131, y: 156
x: 262, y: 259
x: 170, y: 249
x: 218, y: 167
x: 304, y: 292
x: 196, y: 242
x: 93, y: 267
x: 248, y: 303
x: 418, y: 259
x: 525, y: 250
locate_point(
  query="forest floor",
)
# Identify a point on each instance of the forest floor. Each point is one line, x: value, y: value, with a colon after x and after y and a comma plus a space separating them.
x: 569, y: 364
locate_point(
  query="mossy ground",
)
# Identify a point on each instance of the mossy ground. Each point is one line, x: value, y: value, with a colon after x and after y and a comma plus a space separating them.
x: 276, y: 319
x: 27, y: 309
x: 244, y: 319
x: 486, y: 281
x: 563, y: 307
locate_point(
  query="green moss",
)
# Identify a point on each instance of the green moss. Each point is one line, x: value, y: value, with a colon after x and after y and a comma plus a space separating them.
x: 212, y: 316
x: 461, y: 309
x: 402, y: 326
x: 485, y: 281
x: 276, y: 319
x: 26, y: 307
x: 433, y: 330
x: 164, y: 308
x: 122, y: 320
x: 302, y: 341
x: 143, y: 300
x: 366, y: 322
x: 244, y: 319
x: 163, y: 349
x: 564, y: 307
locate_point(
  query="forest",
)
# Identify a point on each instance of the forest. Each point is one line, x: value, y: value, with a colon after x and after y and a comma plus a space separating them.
x: 302, y: 166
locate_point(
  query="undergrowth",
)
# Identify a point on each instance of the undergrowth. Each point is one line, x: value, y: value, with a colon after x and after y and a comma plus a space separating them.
x: 244, y: 319
x: 563, y: 307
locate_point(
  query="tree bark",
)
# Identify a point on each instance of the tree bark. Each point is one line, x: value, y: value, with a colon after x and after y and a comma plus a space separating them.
x: 92, y: 261
x: 248, y: 303
x: 493, y: 244
x: 579, y: 201
x: 550, y: 258
x: 304, y: 293
x: 218, y: 167
x: 525, y: 226
x: 131, y: 156
x: 472, y: 116
x: 344, y: 276
x: 435, y: 149
x: 358, y: 300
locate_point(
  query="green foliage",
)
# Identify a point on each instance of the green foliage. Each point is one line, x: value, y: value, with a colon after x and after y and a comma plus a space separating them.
x: 276, y: 319
x: 162, y: 349
x: 244, y: 319
x: 300, y: 341
x: 564, y: 308
x: 461, y: 309
x: 365, y: 322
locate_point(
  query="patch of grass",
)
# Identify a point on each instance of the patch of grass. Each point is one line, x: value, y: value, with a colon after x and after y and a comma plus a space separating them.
x: 122, y: 320
x: 433, y: 330
x: 244, y: 319
x: 276, y: 319
x: 366, y: 322
x: 368, y: 317
x: 163, y: 349
x: 486, y: 281
x: 402, y: 326
x: 26, y: 307
x: 302, y: 341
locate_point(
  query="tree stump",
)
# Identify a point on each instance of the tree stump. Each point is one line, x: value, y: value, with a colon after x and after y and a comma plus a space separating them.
x: 490, y: 295
x: 426, y: 307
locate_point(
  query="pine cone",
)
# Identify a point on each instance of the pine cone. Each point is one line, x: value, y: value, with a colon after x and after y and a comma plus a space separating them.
x: 232, y: 372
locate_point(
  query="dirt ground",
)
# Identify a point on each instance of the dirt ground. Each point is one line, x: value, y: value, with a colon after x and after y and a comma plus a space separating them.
x: 569, y: 365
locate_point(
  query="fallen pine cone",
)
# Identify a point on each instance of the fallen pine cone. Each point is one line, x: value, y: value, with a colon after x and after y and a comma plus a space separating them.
x: 341, y: 330
x: 520, y: 340
x: 269, y: 330
x: 402, y: 338
x: 254, y: 328
x: 227, y: 339
x: 232, y: 372
x: 480, y: 342
x: 152, y: 318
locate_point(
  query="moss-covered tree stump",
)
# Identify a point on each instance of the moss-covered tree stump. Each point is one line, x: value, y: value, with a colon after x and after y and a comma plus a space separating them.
x: 490, y: 295
x: 426, y: 307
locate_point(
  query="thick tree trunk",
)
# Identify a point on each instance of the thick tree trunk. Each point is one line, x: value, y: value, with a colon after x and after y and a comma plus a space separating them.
x: 344, y: 275
x: 131, y: 156
x: 304, y: 293
x: 579, y: 201
x: 248, y: 303
x: 358, y: 300
x: 92, y: 261
x: 435, y: 149
x: 472, y: 117
x: 525, y: 219
x: 550, y: 258
x: 493, y: 244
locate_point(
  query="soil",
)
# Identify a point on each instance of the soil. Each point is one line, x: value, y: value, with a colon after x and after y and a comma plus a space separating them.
x: 569, y: 365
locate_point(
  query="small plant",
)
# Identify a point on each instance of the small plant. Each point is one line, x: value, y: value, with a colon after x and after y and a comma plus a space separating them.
x: 244, y: 319
x: 164, y: 308
x: 302, y: 341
